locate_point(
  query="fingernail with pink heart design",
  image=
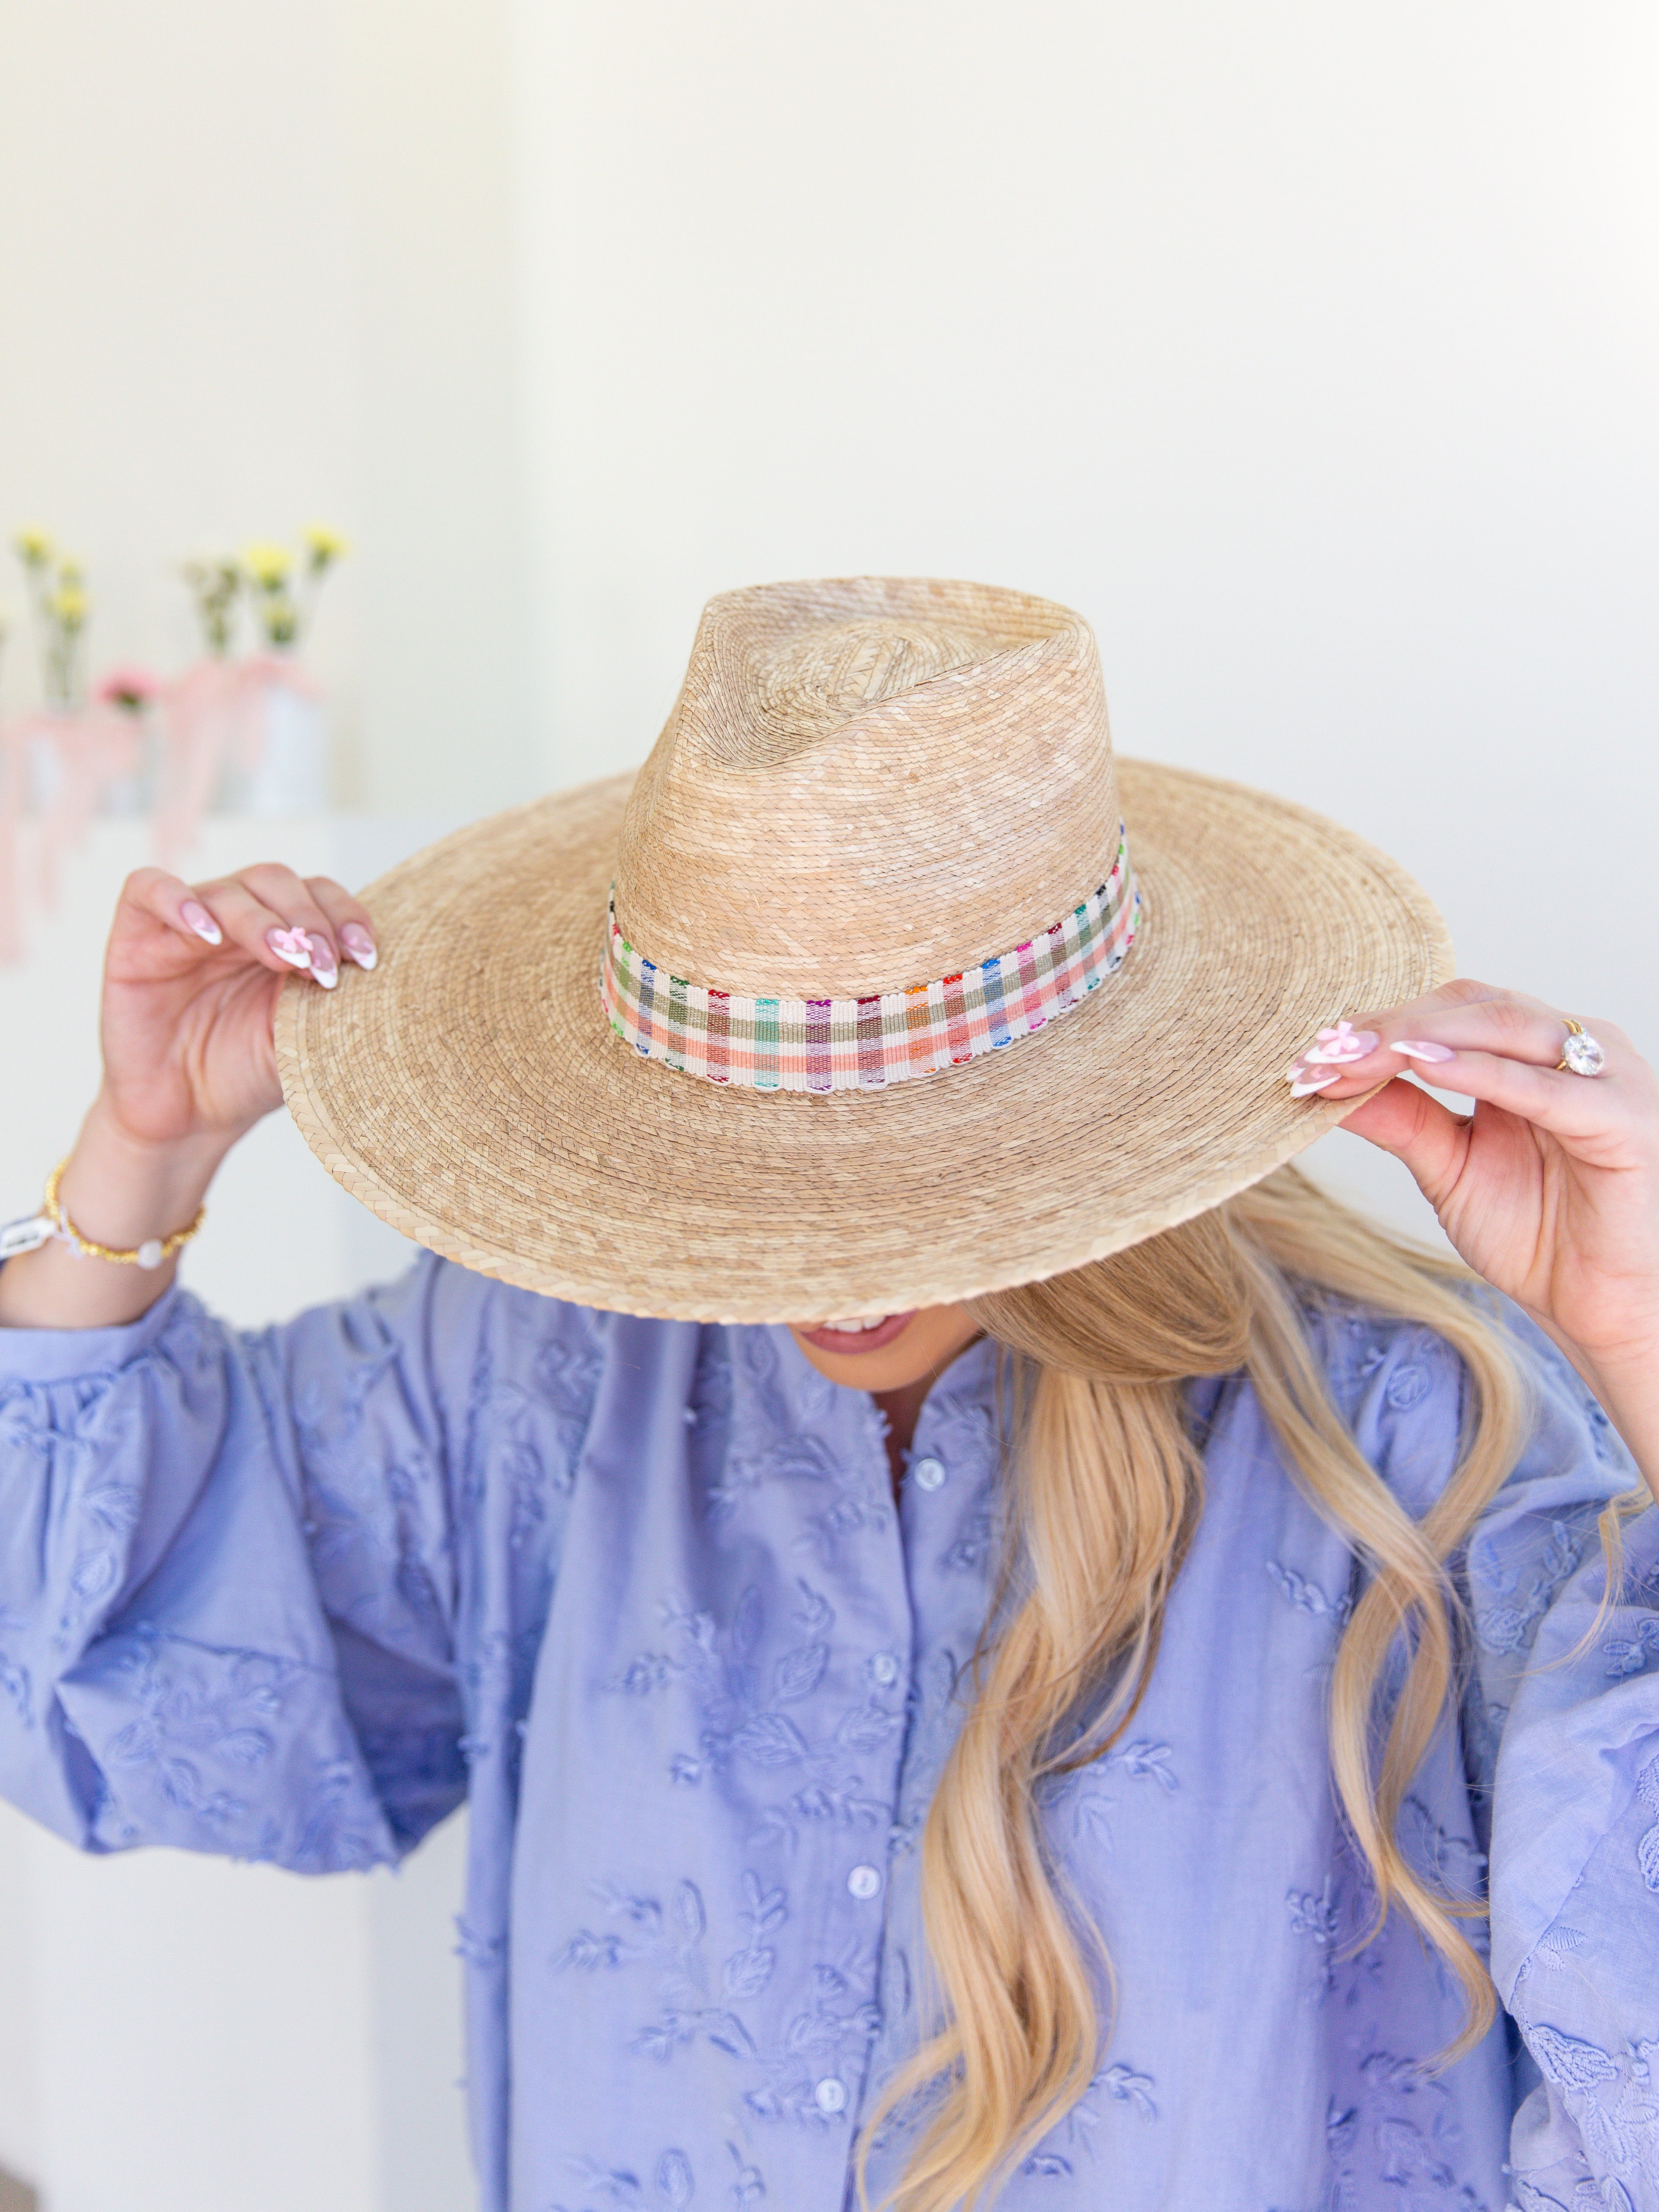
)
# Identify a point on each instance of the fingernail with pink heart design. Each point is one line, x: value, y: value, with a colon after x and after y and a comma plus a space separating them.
x: 1420, y: 1048
x: 195, y: 915
x: 358, y: 945
x: 324, y: 967
x: 290, y: 944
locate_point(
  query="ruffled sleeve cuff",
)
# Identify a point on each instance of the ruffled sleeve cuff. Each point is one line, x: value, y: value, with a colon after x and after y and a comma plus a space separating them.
x: 70, y: 1355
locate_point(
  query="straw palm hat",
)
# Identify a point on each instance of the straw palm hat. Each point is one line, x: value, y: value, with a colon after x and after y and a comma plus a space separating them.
x: 880, y: 985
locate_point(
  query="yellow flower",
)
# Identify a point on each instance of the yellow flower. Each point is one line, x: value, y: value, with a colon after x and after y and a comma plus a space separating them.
x: 324, y: 545
x: 67, y: 604
x: 32, y: 547
x: 268, y: 566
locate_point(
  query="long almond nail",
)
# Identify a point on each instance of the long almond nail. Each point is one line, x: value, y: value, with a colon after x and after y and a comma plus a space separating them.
x: 290, y: 944
x: 1304, y: 1081
x: 358, y: 945
x: 1417, y: 1048
x: 195, y: 915
x: 324, y: 967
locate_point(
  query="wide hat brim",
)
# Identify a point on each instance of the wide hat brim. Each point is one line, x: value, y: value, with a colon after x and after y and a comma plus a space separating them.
x: 471, y: 1092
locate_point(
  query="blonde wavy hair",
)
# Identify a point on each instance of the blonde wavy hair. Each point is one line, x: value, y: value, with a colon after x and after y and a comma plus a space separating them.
x: 1104, y: 1491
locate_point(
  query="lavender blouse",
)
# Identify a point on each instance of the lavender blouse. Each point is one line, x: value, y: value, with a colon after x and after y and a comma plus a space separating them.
x: 639, y: 1590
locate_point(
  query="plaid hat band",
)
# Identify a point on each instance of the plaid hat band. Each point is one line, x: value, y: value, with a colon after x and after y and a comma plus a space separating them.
x: 864, y: 1044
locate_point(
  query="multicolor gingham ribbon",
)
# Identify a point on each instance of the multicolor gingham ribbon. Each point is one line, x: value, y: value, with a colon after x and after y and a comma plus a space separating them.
x: 864, y: 1044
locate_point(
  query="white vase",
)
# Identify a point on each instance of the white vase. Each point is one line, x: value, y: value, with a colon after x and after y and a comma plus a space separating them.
x: 291, y: 774
x: 46, y: 767
x: 135, y: 794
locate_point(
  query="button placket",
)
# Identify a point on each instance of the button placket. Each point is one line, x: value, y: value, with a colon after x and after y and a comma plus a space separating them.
x: 863, y: 1575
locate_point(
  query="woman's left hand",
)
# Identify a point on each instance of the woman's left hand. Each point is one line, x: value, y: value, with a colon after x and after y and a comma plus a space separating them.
x: 1550, y: 1189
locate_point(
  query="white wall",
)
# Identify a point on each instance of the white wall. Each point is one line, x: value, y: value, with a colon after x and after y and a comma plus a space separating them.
x: 1308, y: 348
x: 255, y: 272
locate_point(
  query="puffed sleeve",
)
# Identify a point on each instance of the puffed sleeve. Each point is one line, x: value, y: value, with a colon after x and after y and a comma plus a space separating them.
x: 228, y: 1576
x: 1574, y: 1876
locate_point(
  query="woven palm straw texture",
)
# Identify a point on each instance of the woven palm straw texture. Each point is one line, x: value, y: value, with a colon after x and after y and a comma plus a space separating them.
x: 864, y: 785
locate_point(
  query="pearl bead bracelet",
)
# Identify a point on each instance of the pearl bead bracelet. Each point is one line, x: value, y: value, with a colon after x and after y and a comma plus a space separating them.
x: 53, y: 1221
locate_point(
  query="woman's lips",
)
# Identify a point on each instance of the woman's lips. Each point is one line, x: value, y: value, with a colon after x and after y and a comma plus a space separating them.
x: 860, y: 1336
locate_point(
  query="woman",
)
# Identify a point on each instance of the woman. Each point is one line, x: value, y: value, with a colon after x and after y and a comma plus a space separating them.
x: 1005, y: 1690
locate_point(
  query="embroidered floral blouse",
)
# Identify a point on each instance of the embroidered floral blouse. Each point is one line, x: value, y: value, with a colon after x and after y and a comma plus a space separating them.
x: 640, y: 1590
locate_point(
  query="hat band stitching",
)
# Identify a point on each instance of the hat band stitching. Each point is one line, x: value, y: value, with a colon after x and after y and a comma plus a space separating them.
x: 865, y: 1044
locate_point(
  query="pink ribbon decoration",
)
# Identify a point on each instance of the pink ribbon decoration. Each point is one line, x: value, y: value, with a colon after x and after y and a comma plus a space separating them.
x: 89, y: 748
x: 213, y: 717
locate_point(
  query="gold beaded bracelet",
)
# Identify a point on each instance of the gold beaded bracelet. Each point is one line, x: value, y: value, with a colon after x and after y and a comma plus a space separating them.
x: 152, y: 1252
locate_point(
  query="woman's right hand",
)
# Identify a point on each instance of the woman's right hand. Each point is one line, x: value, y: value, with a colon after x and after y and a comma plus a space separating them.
x: 191, y: 978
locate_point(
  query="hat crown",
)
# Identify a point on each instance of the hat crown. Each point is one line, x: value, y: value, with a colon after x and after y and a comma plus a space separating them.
x: 866, y: 783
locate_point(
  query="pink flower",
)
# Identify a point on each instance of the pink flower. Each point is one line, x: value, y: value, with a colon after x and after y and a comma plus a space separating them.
x: 1344, y: 1042
x: 290, y: 944
x: 131, y: 688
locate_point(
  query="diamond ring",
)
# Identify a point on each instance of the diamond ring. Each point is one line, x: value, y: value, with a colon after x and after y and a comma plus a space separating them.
x: 1581, y: 1054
